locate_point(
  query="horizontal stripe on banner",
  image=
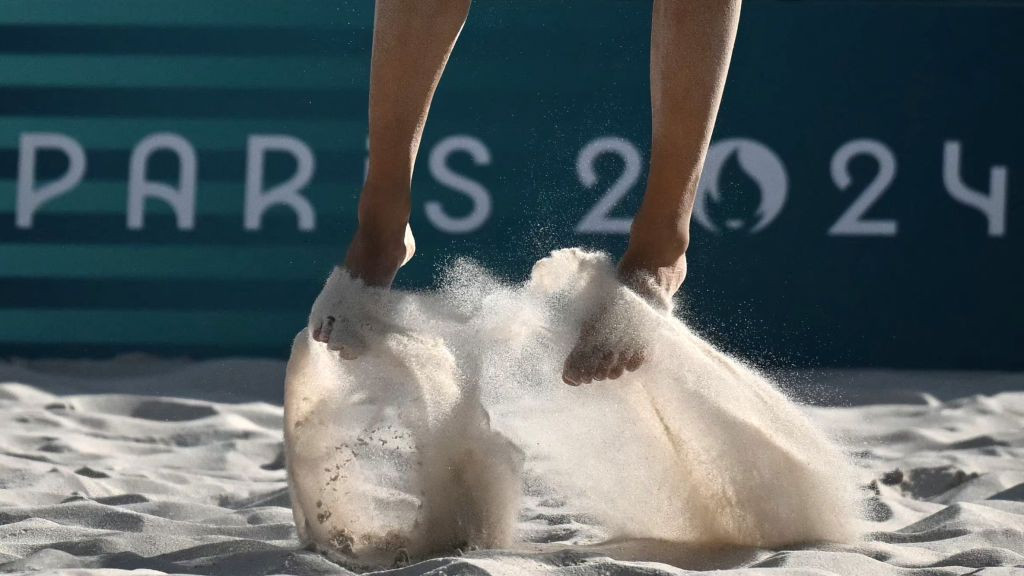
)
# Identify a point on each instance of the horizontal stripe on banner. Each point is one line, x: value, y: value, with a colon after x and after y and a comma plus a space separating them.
x: 302, y: 105
x: 338, y: 135
x: 121, y: 39
x: 110, y: 198
x: 300, y: 262
x: 181, y: 102
x: 213, y: 166
x: 279, y: 227
x: 128, y: 293
x: 187, y: 13
x: 320, y: 14
x: 276, y: 346
x: 136, y: 71
x: 202, y: 134
x: 128, y: 327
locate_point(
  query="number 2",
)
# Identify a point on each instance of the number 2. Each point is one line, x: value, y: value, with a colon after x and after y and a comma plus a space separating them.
x: 852, y: 222
x: 598, y: 220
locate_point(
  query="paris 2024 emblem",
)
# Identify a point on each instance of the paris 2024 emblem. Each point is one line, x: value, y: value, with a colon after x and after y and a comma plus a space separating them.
x: 742, y: 189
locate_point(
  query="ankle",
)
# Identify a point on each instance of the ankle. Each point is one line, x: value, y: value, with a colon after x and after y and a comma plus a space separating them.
x: 657, y: 284
x: 657, y: 247
x: 375, y: 255
x: 654, y: 265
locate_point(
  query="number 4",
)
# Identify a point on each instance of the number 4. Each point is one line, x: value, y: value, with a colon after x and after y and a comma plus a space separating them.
x: 991, y: 205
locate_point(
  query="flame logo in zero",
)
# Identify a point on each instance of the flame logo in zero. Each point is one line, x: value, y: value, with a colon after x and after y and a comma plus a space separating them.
x: 743, y: 187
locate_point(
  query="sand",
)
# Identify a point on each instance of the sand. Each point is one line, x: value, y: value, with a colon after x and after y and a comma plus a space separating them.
x: 178, y: 467
x: 123, y: 465
x: 425, y: 438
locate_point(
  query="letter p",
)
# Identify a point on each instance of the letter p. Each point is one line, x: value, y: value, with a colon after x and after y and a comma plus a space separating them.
x: 30, y: 197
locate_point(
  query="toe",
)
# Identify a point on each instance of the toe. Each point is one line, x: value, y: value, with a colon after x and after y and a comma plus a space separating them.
x: 581, y: 367
x: 603, y: 365
x: 572, y: 377
x: 617, y: 370
x: 571, y: 373
x: 634, y: 361
x: 322, y: 333
x: 586, y: 369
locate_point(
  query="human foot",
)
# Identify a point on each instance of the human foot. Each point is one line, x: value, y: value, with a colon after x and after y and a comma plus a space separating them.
x: 374, y: 256
x: 605, y: 348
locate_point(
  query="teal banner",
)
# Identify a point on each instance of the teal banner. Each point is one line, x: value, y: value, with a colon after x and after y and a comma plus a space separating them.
x: 179, y: 177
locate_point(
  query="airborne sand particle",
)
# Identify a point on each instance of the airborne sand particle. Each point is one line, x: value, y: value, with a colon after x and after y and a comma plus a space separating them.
x: 694, y: 448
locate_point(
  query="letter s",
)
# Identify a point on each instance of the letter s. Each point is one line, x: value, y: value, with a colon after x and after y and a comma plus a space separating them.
x: 444, y: 175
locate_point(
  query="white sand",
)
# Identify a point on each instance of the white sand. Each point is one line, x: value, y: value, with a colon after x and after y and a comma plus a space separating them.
x: 177, y: 467
x: 108, y: 479
x: 426, y: 441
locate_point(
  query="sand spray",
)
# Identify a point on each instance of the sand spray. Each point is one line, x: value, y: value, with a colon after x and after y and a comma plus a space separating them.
x: 427, y: 439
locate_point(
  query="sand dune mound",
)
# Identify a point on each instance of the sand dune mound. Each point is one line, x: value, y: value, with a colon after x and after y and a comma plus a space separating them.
x: 211, y: 506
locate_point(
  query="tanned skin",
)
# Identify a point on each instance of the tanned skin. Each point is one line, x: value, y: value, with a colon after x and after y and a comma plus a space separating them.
x: 691, y: 46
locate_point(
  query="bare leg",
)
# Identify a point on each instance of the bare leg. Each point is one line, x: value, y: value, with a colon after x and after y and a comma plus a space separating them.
x: 691, y: 45
x: 411, y: 45
x: 412, y: 40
